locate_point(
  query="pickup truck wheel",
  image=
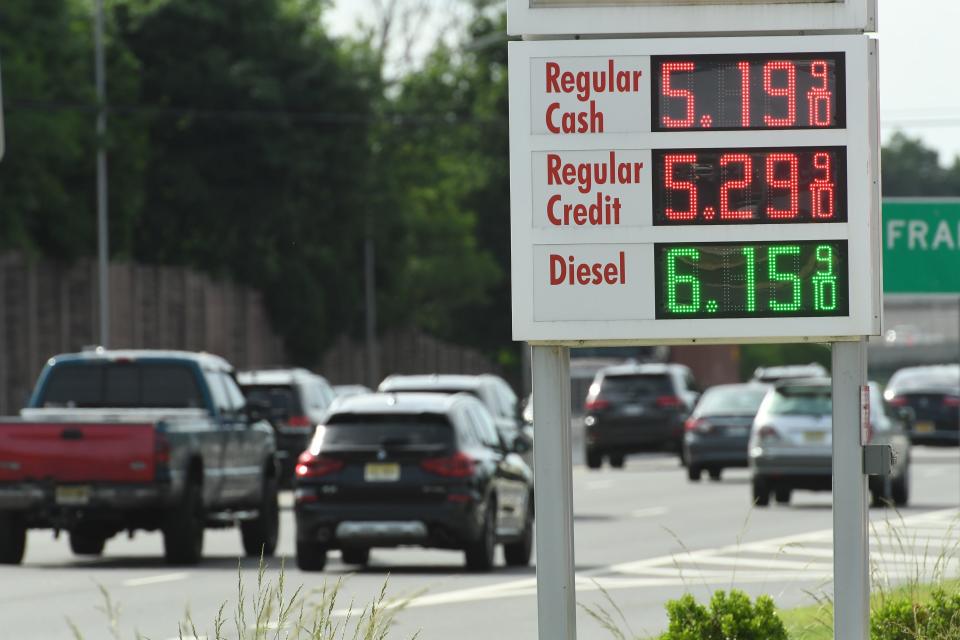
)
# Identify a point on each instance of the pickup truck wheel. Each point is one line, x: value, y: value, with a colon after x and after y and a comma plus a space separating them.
x: 86, y: 544
x: 13, y: 539
x: 480, y: 554
x: 260, y: 534
x: 183, y: 532
x: 311, y: 557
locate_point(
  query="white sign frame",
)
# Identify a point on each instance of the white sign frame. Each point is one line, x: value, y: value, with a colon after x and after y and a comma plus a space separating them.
x: 685, y: 17
x: 862, y: 230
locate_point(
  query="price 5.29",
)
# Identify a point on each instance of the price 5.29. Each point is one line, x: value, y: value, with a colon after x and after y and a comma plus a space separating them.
x: 749, y: 186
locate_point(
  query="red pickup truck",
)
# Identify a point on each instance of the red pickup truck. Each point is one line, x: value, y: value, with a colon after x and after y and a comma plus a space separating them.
x: 117, y: 441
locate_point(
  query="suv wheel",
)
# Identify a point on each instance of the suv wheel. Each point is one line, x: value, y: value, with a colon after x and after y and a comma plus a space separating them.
x: 13, y: 539
x: 360, y: 556
x: 782, y: 495
x: 183, y: 533
x: 761, y: 492
x: 594, y: 459
x: 517, y: 554
x: 617, y: 461
x: 479, y: 554
x: 311, y: 557
x: 693, y: 473
x: 901, y: 489
x: 260, y: 534
x: 715, y: 473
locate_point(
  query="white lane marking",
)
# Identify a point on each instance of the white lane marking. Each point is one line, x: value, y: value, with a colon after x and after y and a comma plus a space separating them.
x: 166, y: 577
x: 649, y: 512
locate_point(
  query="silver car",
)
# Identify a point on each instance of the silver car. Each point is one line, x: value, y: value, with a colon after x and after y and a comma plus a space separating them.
x: 791, y: 443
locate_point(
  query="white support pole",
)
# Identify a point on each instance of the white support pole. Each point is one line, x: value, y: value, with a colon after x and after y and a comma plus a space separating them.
x: 553, y: 492
x: 851, y: 561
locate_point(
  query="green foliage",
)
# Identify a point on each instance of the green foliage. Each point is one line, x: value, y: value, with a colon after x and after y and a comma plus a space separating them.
x: 730, y: 617
x: 903, y: 618
x: 911, y: 169
x: 768, y: 355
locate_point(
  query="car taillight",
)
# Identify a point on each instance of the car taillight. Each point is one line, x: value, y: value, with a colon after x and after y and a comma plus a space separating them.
x: 596, y: 404
x: 313, y: 466
x: 665, y: 402
x: 697, y: 424
x: 951, y: 401
x: 898, y: 401
x: 459, y: 465
x: 300, y: 422
x: 161, y: 450
x: 768, y: 433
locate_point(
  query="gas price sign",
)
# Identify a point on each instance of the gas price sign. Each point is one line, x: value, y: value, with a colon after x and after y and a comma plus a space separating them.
x: 718, y: 189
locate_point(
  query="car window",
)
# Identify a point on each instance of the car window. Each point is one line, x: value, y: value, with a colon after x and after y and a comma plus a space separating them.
x: 690, y: 382
x: 486, y: 429
x: 217, y: 391
x: 801, y: 401
x: 925, y: 378
x: 637, y: 385
x: 467, y: 431
x: 742, y: 401
x: 235, y: 398
x: 122, y: 385
x: 283, y: 400
x: 366, y: 430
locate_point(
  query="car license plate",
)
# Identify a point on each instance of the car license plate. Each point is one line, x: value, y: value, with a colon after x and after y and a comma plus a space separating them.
x: 633, y: 410
x: 73, y: 496
x: 814, y: 436
x: 381, y: 472
x: 924, y: 427
x: 738, y: 432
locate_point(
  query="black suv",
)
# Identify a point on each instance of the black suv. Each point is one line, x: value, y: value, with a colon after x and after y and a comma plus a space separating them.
x: 637, y: 407
x: 420, y: 469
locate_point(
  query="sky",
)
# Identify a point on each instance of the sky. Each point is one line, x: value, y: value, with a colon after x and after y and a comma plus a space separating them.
x: 919, y: 94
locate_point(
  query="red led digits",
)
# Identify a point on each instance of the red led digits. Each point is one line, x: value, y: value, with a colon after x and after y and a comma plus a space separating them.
x: 744, y: 68
x: 789, y: 92
x: 669, y: 162
x: 684, y: 94
x: 745, y: 161
x: 819, y: 98
x: 822, y: 187
x: 791, y: 183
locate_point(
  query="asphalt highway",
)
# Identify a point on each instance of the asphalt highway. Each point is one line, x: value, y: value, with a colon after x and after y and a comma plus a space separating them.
x: 643, y: 534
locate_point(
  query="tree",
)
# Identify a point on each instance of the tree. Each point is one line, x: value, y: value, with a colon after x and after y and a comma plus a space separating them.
x: 259, y: 154
x: 911, y: 169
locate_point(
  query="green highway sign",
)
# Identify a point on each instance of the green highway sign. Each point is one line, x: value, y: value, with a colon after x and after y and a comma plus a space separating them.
x: 921, y: 246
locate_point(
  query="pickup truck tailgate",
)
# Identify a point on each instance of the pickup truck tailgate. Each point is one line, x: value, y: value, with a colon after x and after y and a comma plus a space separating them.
x: 77, y: 452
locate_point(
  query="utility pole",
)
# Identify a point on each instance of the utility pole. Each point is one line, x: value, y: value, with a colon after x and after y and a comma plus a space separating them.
x: 103, y: 264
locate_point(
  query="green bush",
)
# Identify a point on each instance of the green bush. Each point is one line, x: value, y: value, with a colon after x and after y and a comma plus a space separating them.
x: 730, y: 617
x: 903, y: 618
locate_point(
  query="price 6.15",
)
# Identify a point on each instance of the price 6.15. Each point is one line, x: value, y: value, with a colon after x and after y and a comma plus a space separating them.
x: 748, y: 280
x: 749, y: 186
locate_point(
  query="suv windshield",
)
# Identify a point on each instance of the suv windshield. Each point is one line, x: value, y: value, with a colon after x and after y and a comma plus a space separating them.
x: 801, y: 401
x: 283, y: 399
x: 941, y: 378
x: 732, y: 401
x: 121, y: 385
x: 380, y: 430
x: 636, y: 385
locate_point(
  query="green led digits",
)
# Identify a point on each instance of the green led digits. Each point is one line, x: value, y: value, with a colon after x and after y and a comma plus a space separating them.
x: 756, y: 279
x: 774, y: 252
x: 751, y: 268
x: 674, y: 280
x: 824, y: 280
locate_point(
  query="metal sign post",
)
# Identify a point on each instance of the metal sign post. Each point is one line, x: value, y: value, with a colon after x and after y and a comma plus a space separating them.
x: 553, y: 498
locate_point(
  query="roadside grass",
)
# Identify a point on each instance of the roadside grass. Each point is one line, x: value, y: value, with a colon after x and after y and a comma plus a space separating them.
x: 272, y: 611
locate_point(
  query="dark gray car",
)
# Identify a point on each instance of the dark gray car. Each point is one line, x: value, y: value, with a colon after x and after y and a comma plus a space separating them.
x: 716, y: 433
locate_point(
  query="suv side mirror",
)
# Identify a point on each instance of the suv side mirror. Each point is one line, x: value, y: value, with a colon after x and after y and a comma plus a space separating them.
x: 256, y: 410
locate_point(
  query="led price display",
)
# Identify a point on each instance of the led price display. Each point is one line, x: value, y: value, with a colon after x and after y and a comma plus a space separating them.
x: 757, y: 91
x: 750, y: 280
x: 749, y: 186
